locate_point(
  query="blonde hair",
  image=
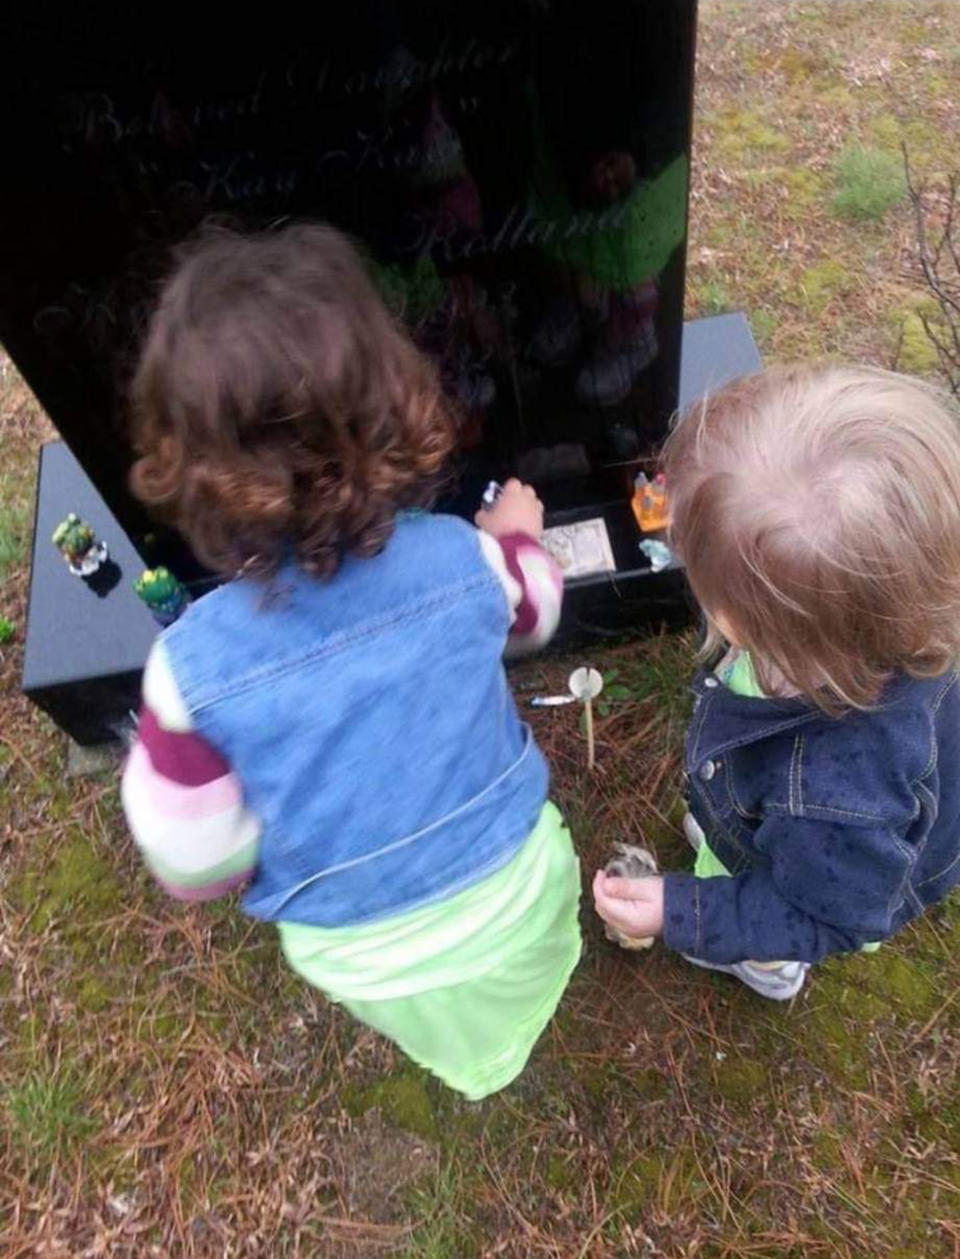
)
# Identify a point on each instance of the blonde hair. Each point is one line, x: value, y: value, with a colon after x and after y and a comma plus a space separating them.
x: 817, y: 512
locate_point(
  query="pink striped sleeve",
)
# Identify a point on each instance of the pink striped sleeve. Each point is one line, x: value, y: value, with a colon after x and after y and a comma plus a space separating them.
x: 182, y: 757
x: 533, y: 584
x: 541, y: 584
x: 183, y: 805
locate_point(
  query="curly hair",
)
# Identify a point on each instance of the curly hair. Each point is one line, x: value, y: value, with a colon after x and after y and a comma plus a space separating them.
x: 818, y: 514
x: 278, y: 409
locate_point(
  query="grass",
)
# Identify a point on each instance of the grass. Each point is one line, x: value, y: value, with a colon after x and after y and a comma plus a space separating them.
x: 14, y: 532
x: 14, y: 521
x: 45, y: 1113
x: 868, y: 182
x: 801, y: 111
x: 167, y: 1087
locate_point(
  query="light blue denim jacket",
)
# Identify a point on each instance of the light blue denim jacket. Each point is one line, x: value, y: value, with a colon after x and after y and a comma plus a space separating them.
x: 369, y: 720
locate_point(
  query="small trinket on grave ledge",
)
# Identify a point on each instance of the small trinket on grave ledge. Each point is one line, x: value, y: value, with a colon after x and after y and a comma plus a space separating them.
x: 78, y: 545
x: 164, y: 595
x: 650, y: 506
x: 658, y: 553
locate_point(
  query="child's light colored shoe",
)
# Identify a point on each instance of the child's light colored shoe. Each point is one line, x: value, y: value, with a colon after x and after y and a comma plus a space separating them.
x: 777, y: 981
x: 630, y: 862
x: 693, y: 832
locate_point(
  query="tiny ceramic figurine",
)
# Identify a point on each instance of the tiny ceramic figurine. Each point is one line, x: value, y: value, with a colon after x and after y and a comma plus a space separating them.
x: 649, y: 502
x: 164, y: 595
x: 658, y: 553
x: 630, y: 862
x: 78, y: 545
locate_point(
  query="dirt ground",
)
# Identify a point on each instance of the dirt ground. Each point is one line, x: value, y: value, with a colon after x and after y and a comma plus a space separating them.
x: 168, y: 1088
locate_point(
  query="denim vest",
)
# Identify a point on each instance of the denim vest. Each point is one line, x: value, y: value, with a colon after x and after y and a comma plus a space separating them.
x: 369, y: 721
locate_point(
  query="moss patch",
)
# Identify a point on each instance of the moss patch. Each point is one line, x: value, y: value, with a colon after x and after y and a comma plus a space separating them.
x: 923, y: 140
x: 901, y: 983
x: 77, y: 883
x: 742, y: 134
x: 822, y: 282
x: 918, y: 354
x: 94, y: 994
x: 659, y: 1182
x: 740, y: 1080
x: 561, y: 1172
x: 804, y: 187
x: 402, y: 1100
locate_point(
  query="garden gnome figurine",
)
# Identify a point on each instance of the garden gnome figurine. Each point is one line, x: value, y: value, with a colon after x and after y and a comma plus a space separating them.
x: 78, y: 545
x: 164, y: 595
x: 630, y: 862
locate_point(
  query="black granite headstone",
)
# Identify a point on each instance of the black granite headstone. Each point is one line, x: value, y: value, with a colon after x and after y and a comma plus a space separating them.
x: 515, y: 169
x: 516, y: 173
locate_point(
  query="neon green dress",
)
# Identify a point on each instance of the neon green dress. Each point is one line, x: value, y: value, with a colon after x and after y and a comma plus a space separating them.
x: 464, y: 986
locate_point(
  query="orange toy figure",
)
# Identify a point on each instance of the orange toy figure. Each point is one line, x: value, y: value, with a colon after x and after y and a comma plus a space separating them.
x: 649, y: 503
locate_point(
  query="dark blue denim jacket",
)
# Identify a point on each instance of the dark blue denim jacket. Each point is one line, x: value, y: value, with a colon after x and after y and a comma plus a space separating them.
x: 837, y: 831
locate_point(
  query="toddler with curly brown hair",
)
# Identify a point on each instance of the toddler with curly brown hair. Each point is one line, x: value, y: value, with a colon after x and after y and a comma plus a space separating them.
x: 332, y: 726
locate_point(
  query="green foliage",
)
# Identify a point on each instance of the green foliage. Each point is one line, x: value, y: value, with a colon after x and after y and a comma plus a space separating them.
x: 45, y: 1112
x: 443, y: 1209
x: 613, y: 692
x: 7, y: 631
x: 714, y: 298
x: 13, y: 536
x: 868, y: 182
x: 804, y: 185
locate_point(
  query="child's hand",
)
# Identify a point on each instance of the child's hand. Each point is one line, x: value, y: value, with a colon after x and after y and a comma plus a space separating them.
x: 633, y: 906
x: 517, y: 510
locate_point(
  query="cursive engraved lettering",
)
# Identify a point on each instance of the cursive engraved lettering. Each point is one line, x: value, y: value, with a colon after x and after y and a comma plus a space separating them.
x: 444, y: 236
